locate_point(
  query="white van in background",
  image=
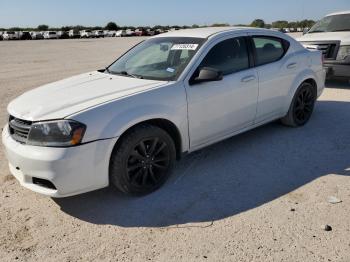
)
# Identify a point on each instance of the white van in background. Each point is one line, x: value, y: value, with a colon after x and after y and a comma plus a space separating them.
x: 10, y: 35
x: 86, y: 34
x: 51, y: 35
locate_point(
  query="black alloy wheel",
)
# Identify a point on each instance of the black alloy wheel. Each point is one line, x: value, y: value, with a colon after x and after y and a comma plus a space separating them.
x: 147, y: 162
x: 304, y: 105
x: 142, y: 160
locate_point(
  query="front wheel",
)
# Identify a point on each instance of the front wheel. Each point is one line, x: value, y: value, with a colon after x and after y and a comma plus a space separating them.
x: 143, y: 160
x: 301, y: 107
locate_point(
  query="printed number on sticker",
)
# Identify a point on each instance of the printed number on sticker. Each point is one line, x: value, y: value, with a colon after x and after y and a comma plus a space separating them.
x: 184, y: 47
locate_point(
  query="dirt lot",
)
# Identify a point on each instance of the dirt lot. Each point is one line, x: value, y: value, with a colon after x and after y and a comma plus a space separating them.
x: 260, y: 196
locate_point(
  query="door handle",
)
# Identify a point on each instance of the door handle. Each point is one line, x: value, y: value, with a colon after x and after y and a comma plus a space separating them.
x: 292, y: 65
x: 248, y: 79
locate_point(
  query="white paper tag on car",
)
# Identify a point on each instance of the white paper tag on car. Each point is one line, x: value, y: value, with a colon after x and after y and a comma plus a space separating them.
x: 184, y: 47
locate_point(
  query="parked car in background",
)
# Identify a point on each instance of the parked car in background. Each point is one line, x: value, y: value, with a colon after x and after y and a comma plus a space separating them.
x: 74, y: 33
x: 63, y: 34
x: 98, y: 33
x: 25, y: 35
x: 120, y: 33
x: 86, y: 34
x: 150, y: 32
x: 1, y: 38
x: 36, y: 35
x: 141, y: 32
x: 158, y: 31
x: 51, y: 35
x: 331, y: 35
x: 169, y: 95
x: 10, y: 35
x: 110, y: 33
x: 130, y: 32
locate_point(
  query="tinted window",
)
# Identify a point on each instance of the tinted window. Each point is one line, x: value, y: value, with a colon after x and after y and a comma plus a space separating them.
x: 228, y: 56
x: 268, y: 49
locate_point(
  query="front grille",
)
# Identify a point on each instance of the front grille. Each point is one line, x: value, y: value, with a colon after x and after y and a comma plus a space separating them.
x: 328, y: 48
x: 19, y: 129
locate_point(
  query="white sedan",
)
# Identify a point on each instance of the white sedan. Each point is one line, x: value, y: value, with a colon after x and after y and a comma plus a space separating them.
x: 171, y: 94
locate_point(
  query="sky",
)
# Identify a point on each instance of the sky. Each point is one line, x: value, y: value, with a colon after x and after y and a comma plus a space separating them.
x: 31, y: 13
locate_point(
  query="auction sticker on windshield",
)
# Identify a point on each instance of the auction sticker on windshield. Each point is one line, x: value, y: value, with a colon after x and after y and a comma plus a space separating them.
x: 184, y: 47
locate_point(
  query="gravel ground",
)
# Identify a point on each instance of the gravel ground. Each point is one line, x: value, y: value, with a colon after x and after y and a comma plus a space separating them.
x: 260, y: 196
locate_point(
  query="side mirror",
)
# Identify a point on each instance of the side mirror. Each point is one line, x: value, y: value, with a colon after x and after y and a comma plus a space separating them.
x: 207, y: 74
x: 305, y: 31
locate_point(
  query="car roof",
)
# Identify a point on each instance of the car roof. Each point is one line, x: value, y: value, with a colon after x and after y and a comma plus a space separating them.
x: 206, y: 32
x: 340, y: 13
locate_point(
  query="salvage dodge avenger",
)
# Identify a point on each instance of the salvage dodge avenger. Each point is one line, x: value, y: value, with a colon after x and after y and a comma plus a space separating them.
x: 169, y: 95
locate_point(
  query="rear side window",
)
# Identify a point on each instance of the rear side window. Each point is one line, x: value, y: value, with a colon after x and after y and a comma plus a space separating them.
x: 228, y: 56
x: 269, y: 49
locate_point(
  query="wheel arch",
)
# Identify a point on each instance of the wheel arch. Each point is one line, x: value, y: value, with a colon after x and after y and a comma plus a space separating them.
x: 307, y: 76
x: 165, y: 124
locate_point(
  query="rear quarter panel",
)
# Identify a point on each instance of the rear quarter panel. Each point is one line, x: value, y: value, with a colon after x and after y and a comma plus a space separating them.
x: 311, y: 68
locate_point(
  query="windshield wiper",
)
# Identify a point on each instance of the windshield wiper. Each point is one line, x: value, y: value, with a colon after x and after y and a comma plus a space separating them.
x: 125, y: 73
x: 316, y: 31
x: 340, y: 30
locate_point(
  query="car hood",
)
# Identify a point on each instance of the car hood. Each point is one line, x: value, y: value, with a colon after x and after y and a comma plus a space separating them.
x: 344, y: 37
x: 63, y: 98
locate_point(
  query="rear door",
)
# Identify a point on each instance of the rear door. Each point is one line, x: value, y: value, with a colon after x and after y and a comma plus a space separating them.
x: 276, y: 70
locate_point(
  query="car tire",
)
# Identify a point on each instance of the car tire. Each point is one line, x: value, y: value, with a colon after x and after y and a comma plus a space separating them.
x: 301, y: 107
x: 142, y: 161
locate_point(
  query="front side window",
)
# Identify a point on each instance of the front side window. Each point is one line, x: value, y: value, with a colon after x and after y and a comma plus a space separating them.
x: 269, y: 49
x: 162, y: 58
x: 228, y: 56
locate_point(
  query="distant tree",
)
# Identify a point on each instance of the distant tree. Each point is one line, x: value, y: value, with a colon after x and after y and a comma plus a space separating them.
x: 96, y: 28
x: 66, y: 28
x: 157, y: 27
x: 258, y: 23
x: 195, y: 26
x: 292, y: 25
x: 78, y: 27
x: 280, y: 24
x: 111, y: 26
x: 306, y: 23
x: 15, y: 29
x: 43, y: 27
x: 220, y: 24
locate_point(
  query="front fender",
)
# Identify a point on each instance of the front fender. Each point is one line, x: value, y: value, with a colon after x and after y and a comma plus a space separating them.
x: 114, y: 118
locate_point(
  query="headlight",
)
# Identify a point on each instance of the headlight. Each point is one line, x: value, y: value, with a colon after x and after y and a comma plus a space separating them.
x: 343, y: 52
x: 60, y: 133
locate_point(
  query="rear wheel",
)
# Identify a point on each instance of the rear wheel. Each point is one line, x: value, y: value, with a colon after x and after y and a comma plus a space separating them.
x: 142, y: 161
x: 301, y: 107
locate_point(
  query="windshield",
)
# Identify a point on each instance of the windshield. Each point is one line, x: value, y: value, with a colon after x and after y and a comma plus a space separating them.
x: 334, y: 23
x: 162, y: 58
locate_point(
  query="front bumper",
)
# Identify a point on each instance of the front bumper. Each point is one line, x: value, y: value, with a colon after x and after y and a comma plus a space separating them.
x: 336, y: 68
x: 72, y: 170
